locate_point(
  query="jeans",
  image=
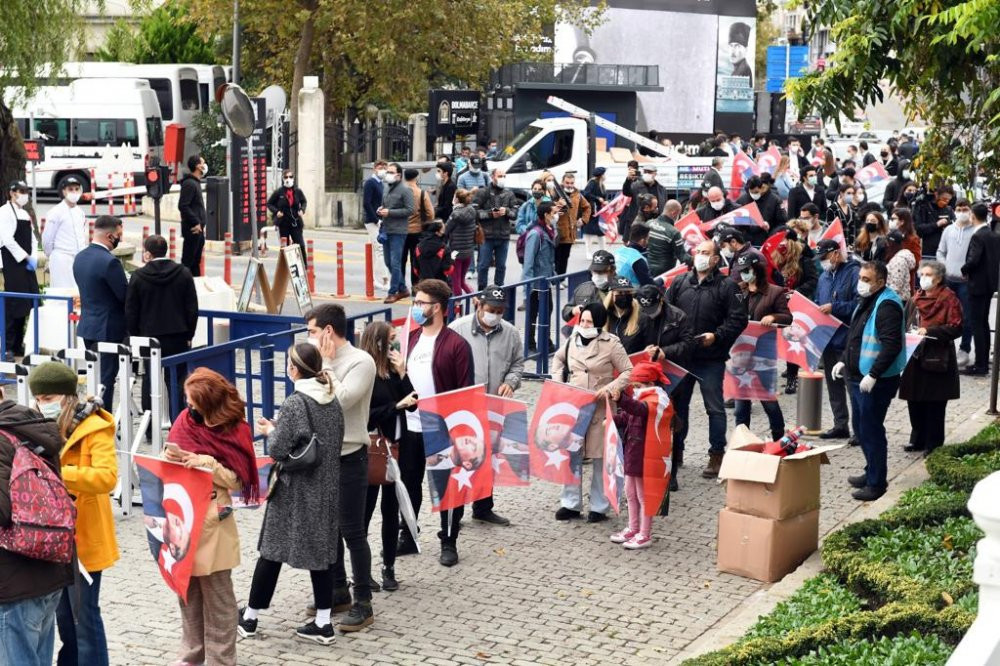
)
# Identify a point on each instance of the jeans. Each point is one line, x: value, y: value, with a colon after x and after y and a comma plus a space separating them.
x: 572, y: 495
x: 775, y: 418
x: 868, y: 412
x: 710, y: 373
x: 979, y: 307
x: 961, y: 289
x: 109, y: 374
x: 28, y: 631
x: 83, y: 641
x: 394, y: 262
x: 353, y: 530
x: 492, y: 247
x: 836, y: 389
x: 534, y: 300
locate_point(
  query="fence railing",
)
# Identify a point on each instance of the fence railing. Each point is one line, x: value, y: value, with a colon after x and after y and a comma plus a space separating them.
x: 37, y: 329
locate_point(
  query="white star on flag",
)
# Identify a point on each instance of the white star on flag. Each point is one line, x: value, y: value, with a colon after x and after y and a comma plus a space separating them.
x: 464, y: 478
x: 495, y: 461
x: 746, y: 379
x: 555, y: 458
x: 795, y: 346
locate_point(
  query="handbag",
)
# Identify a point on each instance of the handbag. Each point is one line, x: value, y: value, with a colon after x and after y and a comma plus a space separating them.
x: 378, y: 460
x: 304, y: 457
x: 382, y: 237
x: 480, y: 235
x: 934, y: 357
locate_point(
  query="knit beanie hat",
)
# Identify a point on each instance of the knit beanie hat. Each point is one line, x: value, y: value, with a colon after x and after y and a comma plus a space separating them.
x: 53, y: 378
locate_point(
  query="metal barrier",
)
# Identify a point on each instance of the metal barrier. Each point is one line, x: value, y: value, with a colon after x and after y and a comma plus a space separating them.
x: 548, y: 320
x: 36, y: 302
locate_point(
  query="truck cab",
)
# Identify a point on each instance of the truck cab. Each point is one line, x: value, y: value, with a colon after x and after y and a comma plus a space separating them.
x: 556, y: 145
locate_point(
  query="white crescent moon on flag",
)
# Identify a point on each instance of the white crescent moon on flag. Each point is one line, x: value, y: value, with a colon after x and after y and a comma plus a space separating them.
x: 559, y: 409
x: 465, y: 417
x: 177, y: 493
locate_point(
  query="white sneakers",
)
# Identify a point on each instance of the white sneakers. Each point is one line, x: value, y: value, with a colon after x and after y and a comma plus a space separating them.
x: 623, y: 536
x: 631, y: 540
x: 963, y: 359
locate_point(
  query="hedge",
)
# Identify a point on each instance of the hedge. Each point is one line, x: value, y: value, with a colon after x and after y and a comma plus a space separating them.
x: 945, y: 467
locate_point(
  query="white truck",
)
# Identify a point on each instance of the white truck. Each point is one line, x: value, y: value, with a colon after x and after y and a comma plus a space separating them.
x: 558, y: 145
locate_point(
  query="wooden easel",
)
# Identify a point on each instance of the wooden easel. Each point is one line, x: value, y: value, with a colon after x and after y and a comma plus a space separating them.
x: 291, y: 269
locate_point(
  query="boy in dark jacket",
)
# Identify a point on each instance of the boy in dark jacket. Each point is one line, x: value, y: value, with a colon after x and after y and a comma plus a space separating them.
x: 191, y: 206
x: 433, y: 256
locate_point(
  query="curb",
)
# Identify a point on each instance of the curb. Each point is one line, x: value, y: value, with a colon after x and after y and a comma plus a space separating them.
x: 731, y: 627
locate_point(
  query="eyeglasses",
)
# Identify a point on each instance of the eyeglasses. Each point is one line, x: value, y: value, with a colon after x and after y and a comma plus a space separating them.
x: 423, y: 304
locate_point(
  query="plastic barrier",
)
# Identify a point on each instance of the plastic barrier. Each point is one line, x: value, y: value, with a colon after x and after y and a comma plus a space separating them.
x: 37, y: 328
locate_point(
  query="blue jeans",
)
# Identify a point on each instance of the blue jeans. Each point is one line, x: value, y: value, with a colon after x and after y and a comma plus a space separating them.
x: 28, y: 631
x: 868, y: 412
x: 961, y: 290
x: 774, y: 416
x: 492, y: 247
x: 394, y: 262
x: 572, y: 495
x: 710, y: 375
x: 83, y: 641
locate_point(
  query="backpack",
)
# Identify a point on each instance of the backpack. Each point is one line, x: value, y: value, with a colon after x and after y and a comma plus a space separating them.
x: 43, y: 516
x: 521, y: 242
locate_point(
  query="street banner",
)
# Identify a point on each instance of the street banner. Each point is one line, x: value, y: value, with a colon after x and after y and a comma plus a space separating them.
x: 558, y: 427
x: 456, y: 432
x: 509, y: 435
x: 614, y: 460
x: 752, y: 368
x: 674, y: 372
x: 871, y: 174
x: 767, y: 161
x: 609, y: 215
x: 264, y: 465
x: 836, y: 232
x: 690, y: 228
x: 175, y: 501
x: 802, y: 342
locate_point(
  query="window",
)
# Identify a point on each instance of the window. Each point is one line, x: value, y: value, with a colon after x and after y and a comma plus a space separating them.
x: 54, y: 130
x: 154, y: 130
x: 128, y: 132
x: 203, y: 91
x: 554, y: 149
x: 165, y: 96
x: 189, y: 95
x: 95, y: 132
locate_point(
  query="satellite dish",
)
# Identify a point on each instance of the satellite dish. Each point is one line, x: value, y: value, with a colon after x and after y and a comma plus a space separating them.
x: 275, y: 100
x: 237, y: 111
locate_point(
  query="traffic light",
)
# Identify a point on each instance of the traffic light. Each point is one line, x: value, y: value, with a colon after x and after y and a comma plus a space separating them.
x: 157, y: 181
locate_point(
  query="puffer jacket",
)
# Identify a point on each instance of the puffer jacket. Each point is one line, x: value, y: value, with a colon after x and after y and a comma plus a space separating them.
x: 461, y: 231
x: 486, y: 200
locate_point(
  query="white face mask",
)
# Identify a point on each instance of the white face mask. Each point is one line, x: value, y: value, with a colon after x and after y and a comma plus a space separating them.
x: 906, y: 174
x: 380, y: 173
x: 717, y: 205
x: 747, y: 276
x: 701, y: 262
x: 755, y: 195
x: 500, y: 182
x: 962, y: 218
x: 864, y: 289
x: 314, y: 342
x: 893, y: 225
x: 826, y: 264
x: 289, y: 182
x: 73, y: 197
x: 926, y: 282
x: 599, y: 279
x: 21, y: 199
x: 204, y: 169
x: 473, y: 169
x: 390, y: 178
x: 569, y: 189
x: 648, y: 178
x: 491, y: 319
x: 587, y: 333
x: 727, y: 253
x: 50, y: 410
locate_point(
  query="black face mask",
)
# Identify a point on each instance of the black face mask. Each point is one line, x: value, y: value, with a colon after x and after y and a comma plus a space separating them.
x: 648, y: 214
x: 535, y: 194
x: 623, y: 301
x: 870, y: 227
x: 196, y: 416
x: 115, y: 241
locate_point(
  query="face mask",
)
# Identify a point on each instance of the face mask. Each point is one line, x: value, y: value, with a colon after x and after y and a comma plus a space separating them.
x: 926, y: 282
x: 289, y: 182
x: 22, y: 199
x: 647, y: 178
x: 811, y: 180
x: 717, y: 205
x: 701, y: 262
x: 747, y: 276
x: 390, y: 178
x: 864, y: 289
x: 962, y: 218
x: 893, y: 225
x: 204, y: 169
x: 871, y: 227
x: 909, y: 195
x: 115, y: 241
x: 885, y: 158
x: 623, y: 301
x: 73, y: 197
x: 196, y: 416
x: 395, y: 346
x: 599, y: 279
x: 550, y: 185
x: 535, y: 194
x: 418, y: 315
x: 569, y: 189
x: 473, y: 170
x: 755, y: 196
x: 826, y: 264
x: 648, y: 214
x: 859, y: 199
x: 727, y: 253
x: 500, y: 182
x: 906, y: 174
x: 491, y: 319
x: 51, y: 410
x: 380, y: 173
x: 314, y: 342
x: 587, y: 333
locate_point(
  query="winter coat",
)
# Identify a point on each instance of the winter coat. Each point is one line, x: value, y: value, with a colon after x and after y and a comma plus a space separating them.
x: 592, y: 193
x: 593, y: 367
x: 23, y: 577
x: 674, y: 336
x: 578, y: 209
x: 706, y: 213
x: 383, y: 414
x: 848, y: 220
x: 161, y: 299
x: 839, y: 288
x: 888, y: 333
x: 644, y: 335
x: 445, y: 199
x: 798, y: 197
x: 585, y: 294
x: 925, y: 219
x: 191, y: 205
x: 714, y: 306
x: 920, y: 380
x: 291, y: 214
x: 219, y: 547
x: 302, y: 520
x: 90, y: 471
x: 527, y: 214
x: 433, y: 258
x: 666, y: 245
x: 423, y: 211
x: 982, y: 260
x: 539, y: 254
x: 636, y: 188
x: 398, y: 200
x: 498, y: 354
x: 461, y: 231
x: 488, y: 198
x: 805, y: 282
x: 770, y: 207
x: 772, y: 300
x: 372, y: 199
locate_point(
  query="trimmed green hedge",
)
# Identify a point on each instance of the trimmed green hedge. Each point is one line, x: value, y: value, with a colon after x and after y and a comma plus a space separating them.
x: 946, y: 467
x: 899, y: 651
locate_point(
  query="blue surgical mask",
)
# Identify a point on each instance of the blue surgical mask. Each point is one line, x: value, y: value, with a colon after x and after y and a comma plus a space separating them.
x: 51, y: 410
x: 417, y: 313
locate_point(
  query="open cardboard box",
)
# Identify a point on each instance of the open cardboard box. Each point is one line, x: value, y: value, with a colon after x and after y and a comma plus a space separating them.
x: 770, y: 486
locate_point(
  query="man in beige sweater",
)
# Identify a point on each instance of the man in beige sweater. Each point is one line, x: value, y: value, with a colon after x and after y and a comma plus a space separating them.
x: 353, y: 378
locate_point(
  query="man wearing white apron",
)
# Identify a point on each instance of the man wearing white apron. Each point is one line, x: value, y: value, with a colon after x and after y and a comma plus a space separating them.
x: 65, y: 235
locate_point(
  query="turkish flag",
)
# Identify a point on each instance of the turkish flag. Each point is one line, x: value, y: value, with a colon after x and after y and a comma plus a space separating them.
x: 671, y: 275
x: 836, y: 232
x: 802, y: 342
x: 873, y: 173
x: 742, y: 169
x: 614, y: 460
x: 609, y: 215
x: 768, y: 160
x: 558, y: 428
x: 509, y: 435
x: 456, y: 438
x: 912, y: 342
x: 175, y: 501
x: 656, y: 454
x: 674, y: 372
x: 744, y: 216
x: 752, y: 368
x: 690, y: 228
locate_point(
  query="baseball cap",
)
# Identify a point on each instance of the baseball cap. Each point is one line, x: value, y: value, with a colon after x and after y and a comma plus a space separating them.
x: 493, y: 295
x: 731, y: 234
x: 619, y: 283
x: 826, y: 246
x: 895, y: 236
x: 602, y: 261
x: 748, y: 260
x: 649, y: 297
x: 70, y: 180
x: 19, y: 185
x: 649, y: 167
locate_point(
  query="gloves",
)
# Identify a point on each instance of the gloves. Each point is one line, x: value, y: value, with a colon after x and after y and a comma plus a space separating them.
x: 32, y: 263
x: 838, y: 370
x: 867, y: 384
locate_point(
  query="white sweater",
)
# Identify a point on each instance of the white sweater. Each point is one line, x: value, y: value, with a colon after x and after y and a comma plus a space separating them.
x: 354, y: 378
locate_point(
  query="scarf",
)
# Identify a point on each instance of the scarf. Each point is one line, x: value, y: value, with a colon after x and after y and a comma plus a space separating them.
x: 937, y: 309
x: 232, y: 448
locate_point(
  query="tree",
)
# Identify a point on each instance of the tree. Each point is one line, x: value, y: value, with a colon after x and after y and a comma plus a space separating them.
x: 38, y: 37
x: 767, y: 33
x: 165, y: 34
x: 939, y: 56
x: 210, y: 135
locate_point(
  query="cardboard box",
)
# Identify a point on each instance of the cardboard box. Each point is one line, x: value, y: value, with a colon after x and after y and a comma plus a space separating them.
x: 762, y: 548
x: 769, y: 486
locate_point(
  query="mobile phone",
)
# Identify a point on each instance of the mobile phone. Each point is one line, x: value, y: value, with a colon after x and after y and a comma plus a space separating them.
x: 173, y: 448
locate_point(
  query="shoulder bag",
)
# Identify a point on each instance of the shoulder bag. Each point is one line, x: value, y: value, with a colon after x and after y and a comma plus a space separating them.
x: 305, y: 455
x: 378, y: 460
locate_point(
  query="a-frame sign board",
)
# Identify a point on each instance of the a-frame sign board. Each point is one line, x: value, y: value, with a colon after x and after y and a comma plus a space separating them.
x: 291, y: 270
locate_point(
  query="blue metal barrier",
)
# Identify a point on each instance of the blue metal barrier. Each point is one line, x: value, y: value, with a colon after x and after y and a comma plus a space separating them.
x: 36, y: 301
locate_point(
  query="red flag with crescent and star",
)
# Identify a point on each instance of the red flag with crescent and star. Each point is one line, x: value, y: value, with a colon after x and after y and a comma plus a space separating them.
x: 836, y: 232
x: 742, y: 169
x: 509, y: 435
x: 457, y: 445
x: 669, y: 276
x: 744, y: 216
x: 609, y: 215
x: 767, y: 161
x: 802, y: 342
x: 558, y: 428
x: 690, y: 228
x: 871, y: 174
x: 614, y: 460
x: 674, y: 372
x: 657, y: 464
x: 752, y: 368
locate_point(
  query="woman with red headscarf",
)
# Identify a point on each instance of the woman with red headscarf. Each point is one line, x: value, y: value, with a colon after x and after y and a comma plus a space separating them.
x: 212, y: 432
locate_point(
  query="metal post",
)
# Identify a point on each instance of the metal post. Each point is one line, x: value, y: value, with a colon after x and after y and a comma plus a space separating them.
x: 123, y: 422
x: 92, y: 363
x: 141, y: 347
x: 236, y: 42
x: 20, y: 372
x: 34, y: 167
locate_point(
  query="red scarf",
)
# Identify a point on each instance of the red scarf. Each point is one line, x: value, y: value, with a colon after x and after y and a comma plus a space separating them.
x: 290, y: 195
x: 232, y: 448
x: 939, y: 309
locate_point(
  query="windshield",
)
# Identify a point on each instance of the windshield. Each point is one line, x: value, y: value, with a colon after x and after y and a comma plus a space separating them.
x: 520, y: 141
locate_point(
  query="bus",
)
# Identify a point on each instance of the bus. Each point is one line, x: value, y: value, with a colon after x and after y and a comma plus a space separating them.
x: 111, y: 126
x: 210, y: 77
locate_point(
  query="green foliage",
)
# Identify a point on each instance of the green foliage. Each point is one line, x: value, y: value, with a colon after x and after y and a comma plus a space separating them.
x: 941, y: 554
x: 898, y: 651
x: 925, y: 495
x: 820, y: 599
x: 210, y: 134
x: 969, y: 602
x: 946, y: 468
x: 990, y: 433
x: 166, y: 34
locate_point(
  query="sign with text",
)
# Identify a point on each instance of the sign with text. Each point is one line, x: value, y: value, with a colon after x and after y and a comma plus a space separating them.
x: 453, y: 112
x: 34, y: 150
x: 239, y: 168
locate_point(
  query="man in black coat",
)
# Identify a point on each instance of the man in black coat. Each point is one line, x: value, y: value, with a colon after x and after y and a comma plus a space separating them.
x: 768, y: 203
x: 288, y: 205
x: 982, y: 269
x: 895, y: 186
x: 807, y: 191
x: 931, y: 216
x: 162, y: 303
x: 191, y: 205
x: 713, y: 177
x: 716, y: 206
x: 648, y: 185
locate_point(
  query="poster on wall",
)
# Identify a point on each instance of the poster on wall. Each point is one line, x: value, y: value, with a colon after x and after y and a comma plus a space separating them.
x: 735, y: 65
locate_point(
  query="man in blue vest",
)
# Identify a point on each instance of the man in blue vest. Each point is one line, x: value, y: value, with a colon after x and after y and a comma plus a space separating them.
x: 631, y: 260
x: 872, y: 363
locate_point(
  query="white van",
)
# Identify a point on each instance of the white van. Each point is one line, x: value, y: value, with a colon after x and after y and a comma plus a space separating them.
x: 210, y: 77
x: 112, y: 126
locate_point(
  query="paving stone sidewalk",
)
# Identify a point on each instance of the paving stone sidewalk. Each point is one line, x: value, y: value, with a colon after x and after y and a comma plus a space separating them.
x: 537, y: 592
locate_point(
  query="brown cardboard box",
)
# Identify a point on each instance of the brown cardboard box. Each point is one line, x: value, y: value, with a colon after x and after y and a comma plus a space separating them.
x: 769, y: 486
x: 762, y: 548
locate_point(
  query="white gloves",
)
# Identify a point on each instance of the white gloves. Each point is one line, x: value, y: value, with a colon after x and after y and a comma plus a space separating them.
x: 867, y: 384
x: 838, y: 370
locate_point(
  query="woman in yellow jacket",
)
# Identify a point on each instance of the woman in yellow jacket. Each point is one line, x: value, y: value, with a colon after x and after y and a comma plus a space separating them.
x: 90, y: 471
